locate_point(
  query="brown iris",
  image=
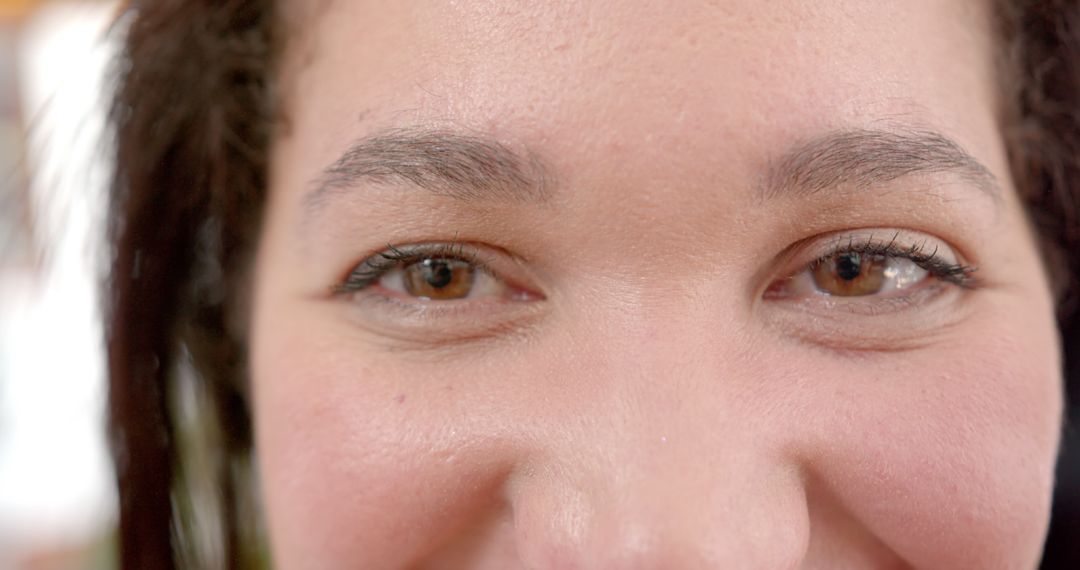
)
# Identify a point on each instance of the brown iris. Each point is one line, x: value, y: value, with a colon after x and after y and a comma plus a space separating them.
x: 850, y: 274
x: 439, y: 279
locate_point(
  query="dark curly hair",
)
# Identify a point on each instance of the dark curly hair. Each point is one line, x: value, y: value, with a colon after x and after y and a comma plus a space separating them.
x: 193, y: 116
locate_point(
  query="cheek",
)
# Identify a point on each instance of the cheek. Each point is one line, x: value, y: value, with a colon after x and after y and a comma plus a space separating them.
x: 361, y: 462
x: 948, y: 455
x: 945, y: 454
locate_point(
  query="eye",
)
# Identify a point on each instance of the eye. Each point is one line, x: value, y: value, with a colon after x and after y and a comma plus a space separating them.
x: 437, y: 278
x: 868, y: 268
x: 430, y: 272
x: 853, y: 274
x: 441, y: 279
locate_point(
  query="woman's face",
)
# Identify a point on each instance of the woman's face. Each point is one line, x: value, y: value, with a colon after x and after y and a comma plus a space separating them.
x: 713, y: 284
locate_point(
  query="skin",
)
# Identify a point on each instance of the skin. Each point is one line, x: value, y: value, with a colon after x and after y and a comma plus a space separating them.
x: 650, y: 402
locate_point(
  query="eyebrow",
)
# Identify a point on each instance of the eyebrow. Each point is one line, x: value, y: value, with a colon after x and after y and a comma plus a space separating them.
x: 467, y: 167
x: 477, y: 168
x: 863, y: 158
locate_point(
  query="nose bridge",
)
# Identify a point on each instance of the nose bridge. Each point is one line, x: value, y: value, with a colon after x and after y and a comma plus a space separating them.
x: 663, y: 468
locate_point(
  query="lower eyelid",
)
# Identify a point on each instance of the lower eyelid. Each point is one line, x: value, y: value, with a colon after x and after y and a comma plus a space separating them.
x: 896, y: 324
x: 409, y: 323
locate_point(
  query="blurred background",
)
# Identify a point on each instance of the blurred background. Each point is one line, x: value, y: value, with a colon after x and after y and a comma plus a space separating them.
x: 56, y: 497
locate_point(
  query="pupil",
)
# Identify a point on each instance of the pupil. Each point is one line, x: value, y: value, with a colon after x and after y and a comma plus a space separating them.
x: 849, y: 266
x: 438, y: 274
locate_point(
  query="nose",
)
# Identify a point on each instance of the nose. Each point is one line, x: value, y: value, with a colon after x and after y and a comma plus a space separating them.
x: 661, y: 513
x: 660, y: 461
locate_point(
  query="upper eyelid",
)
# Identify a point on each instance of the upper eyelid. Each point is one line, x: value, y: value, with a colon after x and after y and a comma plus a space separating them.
x: 411, y: 253
x: 870, y: 241
x: 397, y: 254
x: 382, y: 262
x: 889, y: 241
x: 914, y: 253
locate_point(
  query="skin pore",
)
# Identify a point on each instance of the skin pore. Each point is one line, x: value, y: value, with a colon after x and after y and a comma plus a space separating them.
x: 636, y: 213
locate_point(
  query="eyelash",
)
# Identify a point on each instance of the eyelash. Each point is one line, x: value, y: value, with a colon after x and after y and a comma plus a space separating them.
x: 371, y: 270
x: 955, y: 273
x: 375, y: 267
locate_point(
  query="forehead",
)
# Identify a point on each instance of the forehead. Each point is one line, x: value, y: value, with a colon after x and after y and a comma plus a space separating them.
x: 686, y: 80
